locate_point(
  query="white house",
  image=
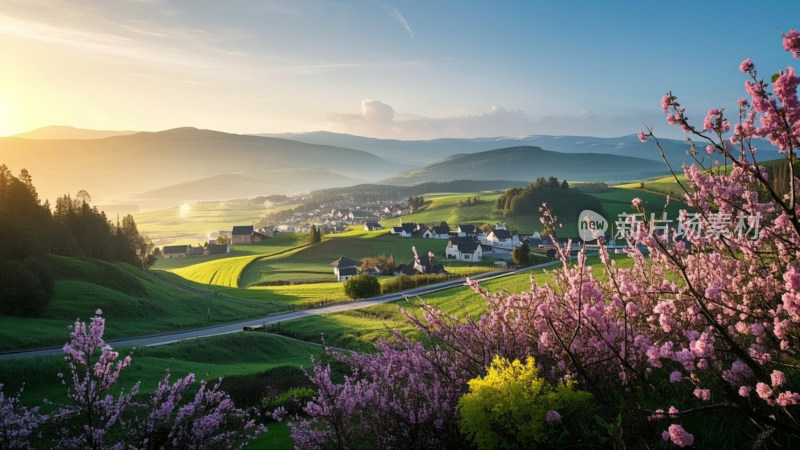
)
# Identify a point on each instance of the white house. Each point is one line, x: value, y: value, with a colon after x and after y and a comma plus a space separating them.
x: 463, y: 249
x: 424, y: 232
x: 346, y: 273
x: 503, y: 238
x: 404, y: 230
x: 467, y: 230
x: 345, y: 268
x: 441, y: 231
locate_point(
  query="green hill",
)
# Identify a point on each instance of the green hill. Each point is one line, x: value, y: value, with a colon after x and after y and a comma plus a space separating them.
x: 526, y: 163
x: 134, y: 303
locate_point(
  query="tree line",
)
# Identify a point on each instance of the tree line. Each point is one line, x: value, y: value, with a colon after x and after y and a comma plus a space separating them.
x: 72, y: 227
x: 565, y: 201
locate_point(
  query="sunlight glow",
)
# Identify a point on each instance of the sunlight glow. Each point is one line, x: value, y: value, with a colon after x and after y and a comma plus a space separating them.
x: 184, y: 210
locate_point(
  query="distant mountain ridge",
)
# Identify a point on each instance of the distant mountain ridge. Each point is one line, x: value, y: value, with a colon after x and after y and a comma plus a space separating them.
x: 190, y: 164
x: 526, y: 163
x: 423, y: 152
x: 58, y: 132
x: 119, y: 167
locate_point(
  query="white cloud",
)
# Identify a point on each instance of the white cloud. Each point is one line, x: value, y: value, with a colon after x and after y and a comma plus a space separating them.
x: 376, y: 111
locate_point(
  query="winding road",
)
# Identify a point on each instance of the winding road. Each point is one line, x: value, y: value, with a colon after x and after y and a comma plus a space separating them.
x: 168, y: 338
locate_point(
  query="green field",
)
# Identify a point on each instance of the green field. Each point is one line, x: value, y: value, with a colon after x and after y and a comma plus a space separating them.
x: 195, y: 223
x: 312, y: 264
x: 615, y: 200
x: 445, y: 207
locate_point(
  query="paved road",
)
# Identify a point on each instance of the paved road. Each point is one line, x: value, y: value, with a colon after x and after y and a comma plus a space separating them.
x: 168, y: 338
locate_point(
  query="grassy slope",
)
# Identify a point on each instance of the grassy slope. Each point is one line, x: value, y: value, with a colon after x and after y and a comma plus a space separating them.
x: 615, y: 200
x: 133, y: 302
x: 445, y: 207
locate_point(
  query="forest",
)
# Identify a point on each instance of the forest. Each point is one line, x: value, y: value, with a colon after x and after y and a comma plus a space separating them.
x: 32, y: 228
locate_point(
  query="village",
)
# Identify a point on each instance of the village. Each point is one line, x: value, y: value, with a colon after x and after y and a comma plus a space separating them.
x: 464, y: 243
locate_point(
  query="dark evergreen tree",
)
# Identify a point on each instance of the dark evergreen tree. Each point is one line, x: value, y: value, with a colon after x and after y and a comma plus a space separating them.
x: 521, y: 256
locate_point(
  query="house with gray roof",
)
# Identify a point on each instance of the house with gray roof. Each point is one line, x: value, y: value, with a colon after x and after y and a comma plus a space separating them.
x: 342, y: 266
x: 246, y: 235
x: 176, y: 251
x: 464, y: 248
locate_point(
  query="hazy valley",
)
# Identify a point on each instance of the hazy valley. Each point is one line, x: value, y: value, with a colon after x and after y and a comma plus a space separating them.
x: 147, y: 170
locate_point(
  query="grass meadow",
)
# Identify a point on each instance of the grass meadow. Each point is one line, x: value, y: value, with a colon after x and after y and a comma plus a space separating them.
x: 197, y: 223
x: 446, y: 207
x: 134, y: 303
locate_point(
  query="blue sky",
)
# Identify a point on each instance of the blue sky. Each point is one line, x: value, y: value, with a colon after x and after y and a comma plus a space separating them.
x: 405, y: 69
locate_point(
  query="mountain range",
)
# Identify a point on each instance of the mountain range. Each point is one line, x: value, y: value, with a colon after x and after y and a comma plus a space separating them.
x: 154, y: 168
x: 187, y: 164
x: 421, y: 153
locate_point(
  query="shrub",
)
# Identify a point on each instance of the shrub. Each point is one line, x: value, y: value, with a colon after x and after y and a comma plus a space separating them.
x: 403, y: 282
x: 521, y: 255
x: 25, y: 286
x: 362, y: 286
x: 289, y: 402
x: 513, y: 407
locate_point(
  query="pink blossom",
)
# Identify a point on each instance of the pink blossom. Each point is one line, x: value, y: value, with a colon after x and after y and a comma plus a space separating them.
x: 792, y: 279
x: 763, y: 391
x: 636, y: 202
x: 744, y: 391
x: 642, y: 136
x: 746, y: 65
x: 665, y: 102
x: 778, y: 378
x: 791, y: 42
x: 702, y: 394
x: 553, y: 416
x: 787, y: 399
x: 679, y: 436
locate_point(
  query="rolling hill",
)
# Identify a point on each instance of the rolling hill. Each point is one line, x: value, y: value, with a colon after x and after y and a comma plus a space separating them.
x: 526, y: 163
x: 117, y: 168
x: 248, y: 184
x: 426, y: 152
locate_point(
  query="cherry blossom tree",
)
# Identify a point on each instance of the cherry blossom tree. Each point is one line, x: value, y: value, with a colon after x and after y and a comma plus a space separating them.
x: 95, y: 417
x: 704, y: 323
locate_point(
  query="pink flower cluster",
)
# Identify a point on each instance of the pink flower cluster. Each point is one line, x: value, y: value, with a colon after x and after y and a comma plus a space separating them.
x: 401, y: 396
x: 96, y: 418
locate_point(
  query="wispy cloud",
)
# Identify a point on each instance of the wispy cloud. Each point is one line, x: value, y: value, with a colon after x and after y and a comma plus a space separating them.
x: 158, y: 46
x: 396, y: 14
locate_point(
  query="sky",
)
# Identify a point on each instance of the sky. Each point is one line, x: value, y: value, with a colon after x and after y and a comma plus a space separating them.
x: 403, y: 69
